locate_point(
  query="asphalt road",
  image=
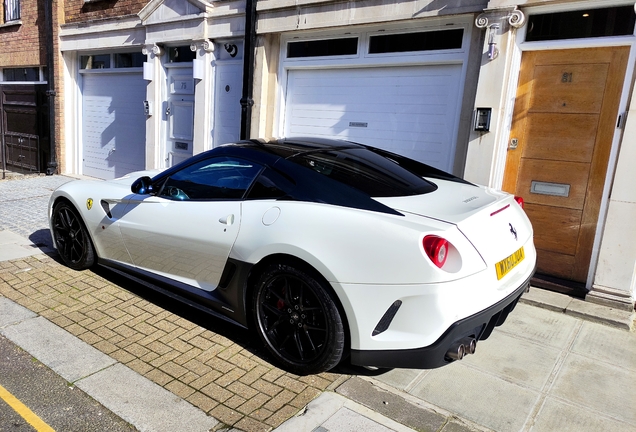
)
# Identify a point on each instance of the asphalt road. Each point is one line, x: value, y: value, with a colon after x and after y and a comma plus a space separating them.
x: 57, y: 403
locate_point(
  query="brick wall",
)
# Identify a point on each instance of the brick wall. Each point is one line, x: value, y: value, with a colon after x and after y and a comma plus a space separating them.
x: 25, y: 45
x: 78, y: 11
x: 21, y: 43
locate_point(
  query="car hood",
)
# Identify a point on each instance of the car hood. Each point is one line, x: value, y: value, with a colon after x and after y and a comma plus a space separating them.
x: 492, y: 220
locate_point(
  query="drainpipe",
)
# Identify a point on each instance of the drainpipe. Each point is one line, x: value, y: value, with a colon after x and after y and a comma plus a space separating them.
x: 50, y: 93
x: 248, y: 68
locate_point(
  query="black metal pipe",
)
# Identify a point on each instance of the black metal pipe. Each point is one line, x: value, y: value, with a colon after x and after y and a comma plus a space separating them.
x: 50, y: 93
x: 4, y: 164
x: 248, y: 68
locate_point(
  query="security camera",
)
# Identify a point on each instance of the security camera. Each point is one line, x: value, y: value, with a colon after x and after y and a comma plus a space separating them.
x: 231, y: 49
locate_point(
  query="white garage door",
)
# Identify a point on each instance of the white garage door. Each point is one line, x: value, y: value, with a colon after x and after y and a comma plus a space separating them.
x: 113, y: 124
x: 411, y: 110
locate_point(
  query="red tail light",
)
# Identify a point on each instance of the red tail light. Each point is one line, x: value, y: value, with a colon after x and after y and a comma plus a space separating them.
x: 519, y: 200
x: 436, y: 248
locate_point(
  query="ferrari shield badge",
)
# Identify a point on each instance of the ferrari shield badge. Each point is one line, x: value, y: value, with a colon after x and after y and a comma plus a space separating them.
x: 89, y: 203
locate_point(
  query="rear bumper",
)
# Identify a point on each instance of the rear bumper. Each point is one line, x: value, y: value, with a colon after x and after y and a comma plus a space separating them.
x: 478, y: 326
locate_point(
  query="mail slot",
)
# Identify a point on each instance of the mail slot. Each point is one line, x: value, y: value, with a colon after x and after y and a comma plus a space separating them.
x: 554, y: 189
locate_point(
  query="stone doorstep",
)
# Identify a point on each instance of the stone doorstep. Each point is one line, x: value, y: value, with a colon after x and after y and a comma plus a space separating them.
x: 586, y: 310
x: 610, y: 297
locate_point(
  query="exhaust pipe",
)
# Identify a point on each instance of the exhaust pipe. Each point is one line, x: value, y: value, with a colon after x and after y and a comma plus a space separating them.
x: 470, y: 344
x: 456, y: 351
x: 460, y: 348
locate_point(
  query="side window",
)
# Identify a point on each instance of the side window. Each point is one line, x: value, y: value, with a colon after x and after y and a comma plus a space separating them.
x: 211, y: 179
x: 271, y: 184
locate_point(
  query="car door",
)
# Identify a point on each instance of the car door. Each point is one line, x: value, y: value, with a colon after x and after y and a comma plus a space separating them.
x: 185, y: 230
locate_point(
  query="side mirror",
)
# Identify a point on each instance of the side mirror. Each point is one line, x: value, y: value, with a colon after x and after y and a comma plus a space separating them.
x: 142, y: 186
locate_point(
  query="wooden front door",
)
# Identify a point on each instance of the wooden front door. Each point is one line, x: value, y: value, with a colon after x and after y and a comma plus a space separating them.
x: 565, y: 116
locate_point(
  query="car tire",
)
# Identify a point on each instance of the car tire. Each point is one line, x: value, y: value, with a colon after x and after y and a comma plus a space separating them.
x: 71, y: 237
x: 297, y: 320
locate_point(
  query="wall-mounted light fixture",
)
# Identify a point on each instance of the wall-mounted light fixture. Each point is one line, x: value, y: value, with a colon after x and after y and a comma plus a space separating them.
x: 198, y: 68
x: 514, y: 18
x: 149, y: 71
x: 231, y: 49
x: 493, y: 52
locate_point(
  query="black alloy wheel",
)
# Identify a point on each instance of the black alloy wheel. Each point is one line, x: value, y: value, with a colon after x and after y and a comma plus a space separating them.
x: 297, y: 320
x: 71, y: 237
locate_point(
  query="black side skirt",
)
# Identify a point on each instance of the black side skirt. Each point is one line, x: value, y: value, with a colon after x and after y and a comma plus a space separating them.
x: 226, y: 302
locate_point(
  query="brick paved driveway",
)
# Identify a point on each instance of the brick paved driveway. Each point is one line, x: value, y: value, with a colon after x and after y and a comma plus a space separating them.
x: 215, y: 366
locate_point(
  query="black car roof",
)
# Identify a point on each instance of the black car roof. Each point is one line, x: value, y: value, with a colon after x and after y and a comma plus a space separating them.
x: 333, y: 171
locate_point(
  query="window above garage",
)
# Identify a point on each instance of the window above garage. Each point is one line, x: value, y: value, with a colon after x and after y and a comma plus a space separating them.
x: 109, y: 61
x: 435, y: 40
x: 420, y: 41
x: 322, y: 47
x: 429, y: 41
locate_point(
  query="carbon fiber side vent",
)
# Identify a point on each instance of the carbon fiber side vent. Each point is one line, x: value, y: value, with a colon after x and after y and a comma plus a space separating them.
x: 386, y: 319
x: 106, y: 208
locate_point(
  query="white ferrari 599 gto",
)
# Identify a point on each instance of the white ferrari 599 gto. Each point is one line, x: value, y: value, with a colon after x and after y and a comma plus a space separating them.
x: 328, y: 249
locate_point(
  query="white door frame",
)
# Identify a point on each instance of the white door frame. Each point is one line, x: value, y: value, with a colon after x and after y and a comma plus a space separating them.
x: 518, y: 49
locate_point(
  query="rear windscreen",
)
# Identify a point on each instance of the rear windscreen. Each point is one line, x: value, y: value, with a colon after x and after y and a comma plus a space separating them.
x: 362, y: 169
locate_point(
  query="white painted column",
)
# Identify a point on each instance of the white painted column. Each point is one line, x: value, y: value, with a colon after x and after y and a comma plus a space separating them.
x: 204, y: 83
x: 71, y: 154
x: 615, y: 277
x: 155, y: 77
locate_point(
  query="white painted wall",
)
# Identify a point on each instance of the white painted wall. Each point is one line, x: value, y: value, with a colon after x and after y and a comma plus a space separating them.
x: 617, y: 258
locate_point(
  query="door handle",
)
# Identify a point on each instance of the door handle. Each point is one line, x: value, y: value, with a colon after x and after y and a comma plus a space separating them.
x: 514, y: 142
x: 227, y: 220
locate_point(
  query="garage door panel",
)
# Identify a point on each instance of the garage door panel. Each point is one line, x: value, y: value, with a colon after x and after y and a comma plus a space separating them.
x: 418, y: 134
x: 416, y: 130
x: 400, y: 113
x: 408, y: 110
x: 113, y: 124
x: 334, y: 94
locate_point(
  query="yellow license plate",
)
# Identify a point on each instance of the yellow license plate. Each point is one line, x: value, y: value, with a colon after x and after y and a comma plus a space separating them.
x: 505, y: 265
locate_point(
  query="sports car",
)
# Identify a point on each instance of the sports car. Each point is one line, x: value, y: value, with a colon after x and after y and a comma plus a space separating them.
x: 330, y: 250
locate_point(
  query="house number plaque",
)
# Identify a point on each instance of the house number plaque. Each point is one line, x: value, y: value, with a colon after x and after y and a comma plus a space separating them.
x: 566, y: 77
